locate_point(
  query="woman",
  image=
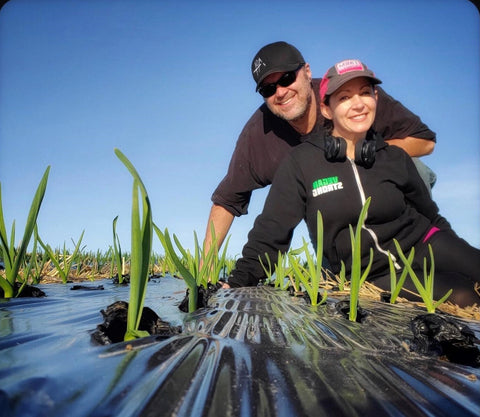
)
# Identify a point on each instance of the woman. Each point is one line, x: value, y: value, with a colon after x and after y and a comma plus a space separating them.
x: 335, y: 171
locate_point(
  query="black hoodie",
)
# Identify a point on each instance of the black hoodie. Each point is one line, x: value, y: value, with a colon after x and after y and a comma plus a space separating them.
x: 306, y: 181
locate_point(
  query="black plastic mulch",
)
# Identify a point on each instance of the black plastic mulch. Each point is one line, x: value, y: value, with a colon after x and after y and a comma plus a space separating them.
x: 252, y: 352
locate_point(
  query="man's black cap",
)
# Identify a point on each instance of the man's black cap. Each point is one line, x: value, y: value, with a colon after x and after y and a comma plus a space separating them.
x: 275, y: 57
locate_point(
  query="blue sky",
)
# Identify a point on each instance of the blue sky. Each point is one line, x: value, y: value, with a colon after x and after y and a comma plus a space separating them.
x: 169, y: 84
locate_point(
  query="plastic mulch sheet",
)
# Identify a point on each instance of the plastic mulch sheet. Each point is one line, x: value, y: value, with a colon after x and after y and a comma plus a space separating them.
x: 252, y: 352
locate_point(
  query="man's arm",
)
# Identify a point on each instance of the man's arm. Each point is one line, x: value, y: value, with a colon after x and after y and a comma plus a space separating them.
x: 415, y: 147
x: 221, y: 219
x: 402, y: 128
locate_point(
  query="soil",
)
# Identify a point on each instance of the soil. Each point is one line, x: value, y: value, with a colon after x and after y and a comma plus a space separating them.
x: 437, y: 335
x: 204, y: 294
x: 114, y: 325
x: 27, y: 291
x: 343, y: 307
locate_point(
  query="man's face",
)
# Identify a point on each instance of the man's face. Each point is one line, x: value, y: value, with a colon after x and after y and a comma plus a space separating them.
x: 291, y: 103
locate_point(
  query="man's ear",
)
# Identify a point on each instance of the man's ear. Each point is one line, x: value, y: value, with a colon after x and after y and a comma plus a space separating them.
x: 326, y: 111
x: 308, y: 72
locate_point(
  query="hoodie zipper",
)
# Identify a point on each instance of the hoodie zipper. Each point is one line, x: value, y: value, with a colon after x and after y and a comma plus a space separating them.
x: 368, y: 230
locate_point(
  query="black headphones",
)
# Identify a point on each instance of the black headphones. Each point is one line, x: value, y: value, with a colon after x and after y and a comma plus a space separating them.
x: 336, y: 150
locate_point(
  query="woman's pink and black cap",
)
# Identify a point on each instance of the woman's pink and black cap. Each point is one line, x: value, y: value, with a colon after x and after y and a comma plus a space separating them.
x: 343, y: 72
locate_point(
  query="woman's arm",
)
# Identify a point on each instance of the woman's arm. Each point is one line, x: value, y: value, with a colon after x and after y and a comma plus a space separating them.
x: 273, y: 228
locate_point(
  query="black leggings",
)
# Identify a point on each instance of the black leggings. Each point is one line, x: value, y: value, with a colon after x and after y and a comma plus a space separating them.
x: 457, y: 267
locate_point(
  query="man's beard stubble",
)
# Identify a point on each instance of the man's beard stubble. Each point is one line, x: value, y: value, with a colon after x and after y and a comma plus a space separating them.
x: 299, y: 114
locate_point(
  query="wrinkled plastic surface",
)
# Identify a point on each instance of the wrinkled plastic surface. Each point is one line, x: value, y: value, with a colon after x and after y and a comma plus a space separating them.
x: 252, y: 352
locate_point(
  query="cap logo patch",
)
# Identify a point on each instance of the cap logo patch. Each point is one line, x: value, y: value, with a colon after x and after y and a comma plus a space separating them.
x: 348, y: 65
x: 258, y: 64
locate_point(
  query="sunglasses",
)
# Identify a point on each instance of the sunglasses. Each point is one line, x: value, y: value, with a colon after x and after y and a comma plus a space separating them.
x: 268, y: 90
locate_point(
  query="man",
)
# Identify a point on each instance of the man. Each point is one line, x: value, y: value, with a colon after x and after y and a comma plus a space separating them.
x: 291, y: 109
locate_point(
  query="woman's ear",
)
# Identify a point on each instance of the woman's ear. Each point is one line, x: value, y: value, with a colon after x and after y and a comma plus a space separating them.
x: 326, y: 111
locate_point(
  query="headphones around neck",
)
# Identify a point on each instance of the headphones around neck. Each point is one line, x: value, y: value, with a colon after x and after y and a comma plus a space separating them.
x: 336, y: 150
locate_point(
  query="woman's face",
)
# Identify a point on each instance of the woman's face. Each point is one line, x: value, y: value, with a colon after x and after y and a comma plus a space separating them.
x: 352, y: 108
